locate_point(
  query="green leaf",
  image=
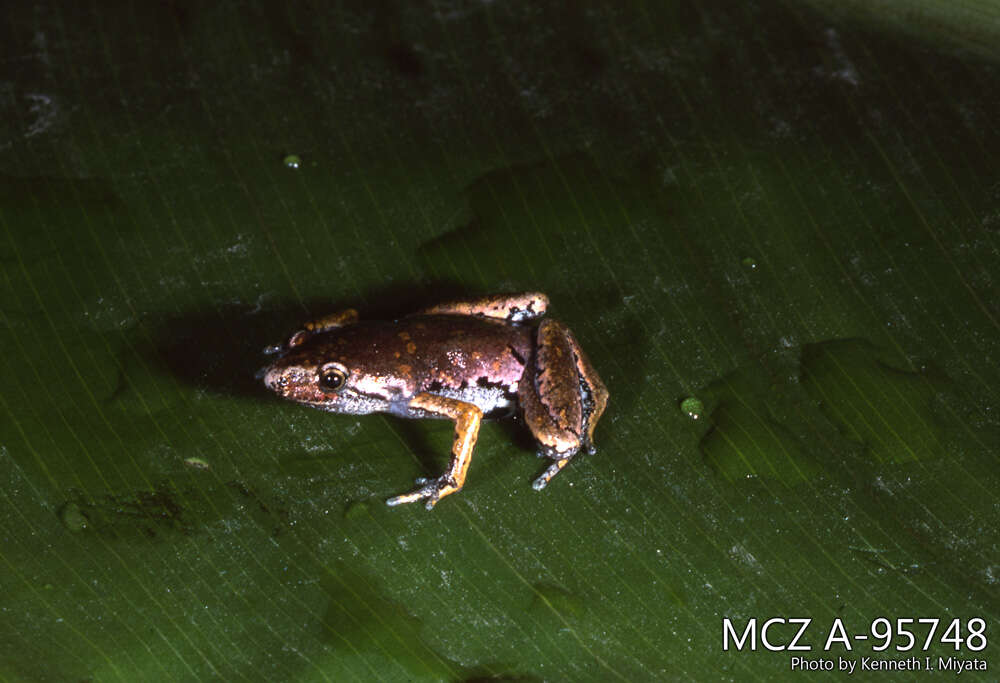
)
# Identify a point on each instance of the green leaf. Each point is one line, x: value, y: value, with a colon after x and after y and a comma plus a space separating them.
x: 774, y: 230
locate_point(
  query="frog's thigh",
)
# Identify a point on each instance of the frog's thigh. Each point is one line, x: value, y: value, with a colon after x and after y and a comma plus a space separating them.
x: 511, y: 307
x: 467, y: 418
x: 593, y: 392
x: 553, y: 406
x: 566, y: 397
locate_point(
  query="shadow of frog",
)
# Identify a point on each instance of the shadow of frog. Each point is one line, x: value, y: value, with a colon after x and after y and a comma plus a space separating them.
x: 223, y: 349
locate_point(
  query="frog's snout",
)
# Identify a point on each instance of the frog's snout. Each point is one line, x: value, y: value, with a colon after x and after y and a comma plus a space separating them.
x: 296, y: 383
x: 275, y: 378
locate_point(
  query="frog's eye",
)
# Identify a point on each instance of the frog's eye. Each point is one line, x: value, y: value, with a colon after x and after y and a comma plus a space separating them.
x: 332, y: 377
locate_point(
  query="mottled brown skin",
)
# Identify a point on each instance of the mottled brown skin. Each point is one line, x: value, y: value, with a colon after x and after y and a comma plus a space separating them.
x: 512, y: 308
x: 459, y: 361
x: 396, y: 360
x: 562, y: 414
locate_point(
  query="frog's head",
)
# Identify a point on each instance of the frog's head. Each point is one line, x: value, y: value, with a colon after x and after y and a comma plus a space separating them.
x: 299, y: 378
x: 315, y: 371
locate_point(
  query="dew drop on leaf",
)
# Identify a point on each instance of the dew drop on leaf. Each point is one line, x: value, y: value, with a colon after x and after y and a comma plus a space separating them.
x: 692, y: 407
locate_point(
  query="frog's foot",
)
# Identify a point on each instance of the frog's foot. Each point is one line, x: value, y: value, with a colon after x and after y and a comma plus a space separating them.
x: 554, y: 469
x: 431, y: 489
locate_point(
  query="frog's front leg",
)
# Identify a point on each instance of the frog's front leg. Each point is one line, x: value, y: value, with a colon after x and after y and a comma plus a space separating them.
x: 467, y: 418
x: 328, y: 322
x: 348, y: 316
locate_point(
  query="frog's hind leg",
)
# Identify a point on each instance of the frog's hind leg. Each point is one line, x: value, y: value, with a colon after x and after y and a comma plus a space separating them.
x: 553, y: 469
x: 510, y: 307
x: 563, y: 398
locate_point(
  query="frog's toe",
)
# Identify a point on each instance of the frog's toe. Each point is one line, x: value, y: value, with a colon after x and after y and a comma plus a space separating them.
x: 554, y: 469
x: 413, y: 496
x: 431, y: 489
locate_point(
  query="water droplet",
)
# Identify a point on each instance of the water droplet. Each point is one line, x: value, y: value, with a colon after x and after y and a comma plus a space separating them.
x: 197, y: 463
x: 292, y: 161
x: 692, y: 407
x: 72, y: 517
x: 357, y: 509
x: 749, y: 263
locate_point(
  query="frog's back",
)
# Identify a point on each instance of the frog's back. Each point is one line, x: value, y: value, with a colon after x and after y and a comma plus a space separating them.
x: 440, y: 354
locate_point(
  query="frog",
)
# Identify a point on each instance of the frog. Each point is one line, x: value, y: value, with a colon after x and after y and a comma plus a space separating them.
x: 464, y: 360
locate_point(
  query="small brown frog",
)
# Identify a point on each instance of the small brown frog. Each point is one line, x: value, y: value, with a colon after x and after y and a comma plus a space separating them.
x: 460, y: 360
